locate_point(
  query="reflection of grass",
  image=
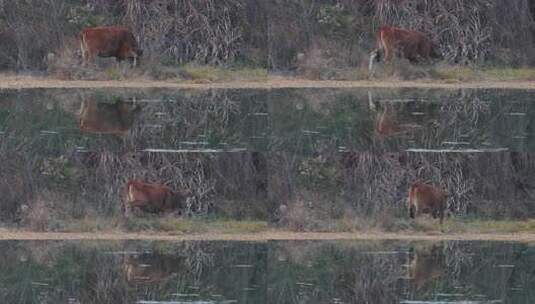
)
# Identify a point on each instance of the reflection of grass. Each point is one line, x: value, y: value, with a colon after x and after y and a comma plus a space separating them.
x: 202, y: 73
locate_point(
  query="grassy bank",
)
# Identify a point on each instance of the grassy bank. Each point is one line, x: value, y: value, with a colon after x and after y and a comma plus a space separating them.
x: 179, y: 226
x: 402, y: 71
x: 203, y: 75
x: 460, y: 73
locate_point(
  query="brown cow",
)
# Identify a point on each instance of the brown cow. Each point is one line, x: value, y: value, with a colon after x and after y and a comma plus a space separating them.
x: 106, y: 118
x: 109, y: 41
x: 154, y: 198
x: 408, y: 44
x: 424, y: 198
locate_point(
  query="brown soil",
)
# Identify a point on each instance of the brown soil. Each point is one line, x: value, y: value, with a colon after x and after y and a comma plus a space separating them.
x: 21, y: 82
x: 267, y: 236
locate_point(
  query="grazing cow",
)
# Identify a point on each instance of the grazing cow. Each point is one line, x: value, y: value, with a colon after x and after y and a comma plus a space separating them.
x: 107, y: 118
x: 109, y: 41
x: 154, y: 198
x: 408, y: 44
x: 424, y: 198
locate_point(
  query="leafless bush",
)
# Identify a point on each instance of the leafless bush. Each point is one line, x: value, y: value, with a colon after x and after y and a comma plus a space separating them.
x: 205, y: 31
x: 35, y: 28
x: 467, y: 31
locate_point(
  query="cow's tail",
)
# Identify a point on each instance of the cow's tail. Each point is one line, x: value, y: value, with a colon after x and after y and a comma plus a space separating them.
x: 411, y: 201
x: 83, y: 45
x: 126, y: 198
x: 375, y: 55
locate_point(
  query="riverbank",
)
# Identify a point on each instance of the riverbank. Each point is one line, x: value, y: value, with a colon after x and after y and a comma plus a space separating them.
x: 273, y: 235
x: 31, y: 82
x: 186, y: 229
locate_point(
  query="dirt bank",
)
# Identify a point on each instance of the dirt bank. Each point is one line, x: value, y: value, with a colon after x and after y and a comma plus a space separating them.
x: 268, y: 236
x: 25, y: 82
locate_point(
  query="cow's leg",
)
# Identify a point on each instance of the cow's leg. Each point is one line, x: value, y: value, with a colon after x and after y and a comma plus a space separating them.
x: 85, y: 57
x: 412, y: 210
x: 90, y: 59
x: 388, y: 54
x: 84, y: 51
x: 441, y: 215
x: 127, y: 210
x: 118, y: 63
x: 374, y: 55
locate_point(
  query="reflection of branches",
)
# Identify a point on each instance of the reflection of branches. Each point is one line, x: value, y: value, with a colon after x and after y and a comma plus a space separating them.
x: 462, y: 115
x: 197, y: 259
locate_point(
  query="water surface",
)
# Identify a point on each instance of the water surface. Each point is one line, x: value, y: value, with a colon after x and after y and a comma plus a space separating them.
x: 304, y: 121
x: 267, y: 272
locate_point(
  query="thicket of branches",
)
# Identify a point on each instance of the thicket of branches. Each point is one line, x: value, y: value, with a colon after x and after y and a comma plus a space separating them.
x: 311, y: 176
x: 331, y: 33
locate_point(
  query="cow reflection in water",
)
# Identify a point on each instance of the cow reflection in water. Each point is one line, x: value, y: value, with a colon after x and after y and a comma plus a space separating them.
x: 107, y: 118
x: 151, y: 268
x: 426, y: 267
x: 389, y: 123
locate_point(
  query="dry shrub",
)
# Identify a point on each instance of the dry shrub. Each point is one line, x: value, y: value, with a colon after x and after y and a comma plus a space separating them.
x: 205, y: 31
x: 374, y: 182
x: 36, y: 26
x: 298, y: 216
x: 468, y: 31
x: 36, y: 216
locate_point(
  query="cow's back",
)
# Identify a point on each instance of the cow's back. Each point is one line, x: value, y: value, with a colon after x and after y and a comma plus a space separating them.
x: 112, y: 41
x: 428, y: 196
x: 149, y: 197
x: 412, y: 43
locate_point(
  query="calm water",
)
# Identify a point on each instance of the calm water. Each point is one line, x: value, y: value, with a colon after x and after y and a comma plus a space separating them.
x: 304, y: 121
x: 267, y: 272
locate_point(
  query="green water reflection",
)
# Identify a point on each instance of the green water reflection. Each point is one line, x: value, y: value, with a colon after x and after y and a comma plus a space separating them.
x: 266, y: 272
x: 279, y: 120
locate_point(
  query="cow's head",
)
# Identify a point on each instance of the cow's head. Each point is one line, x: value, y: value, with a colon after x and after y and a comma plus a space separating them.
x: 135, y: 56
x: 435, y: 52
x: 177, y: 200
